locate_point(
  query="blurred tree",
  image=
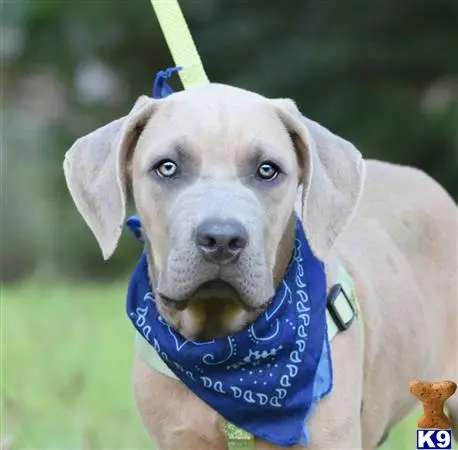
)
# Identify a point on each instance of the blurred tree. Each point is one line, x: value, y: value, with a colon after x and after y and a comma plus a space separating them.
x: 383, y: 74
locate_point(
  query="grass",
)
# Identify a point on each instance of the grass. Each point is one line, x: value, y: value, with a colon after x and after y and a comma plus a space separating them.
x: 66, y: 370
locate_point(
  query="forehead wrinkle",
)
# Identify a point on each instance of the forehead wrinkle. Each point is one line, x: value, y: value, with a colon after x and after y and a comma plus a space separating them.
x: 204, y: 123
x: 222, y: 134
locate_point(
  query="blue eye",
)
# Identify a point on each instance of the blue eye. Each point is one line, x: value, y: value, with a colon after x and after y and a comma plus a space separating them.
x: 267, y: 171
x: 166, y: 168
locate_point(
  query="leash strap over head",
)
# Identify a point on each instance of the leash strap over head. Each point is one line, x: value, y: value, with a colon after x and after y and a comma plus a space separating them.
x: 180, y: 42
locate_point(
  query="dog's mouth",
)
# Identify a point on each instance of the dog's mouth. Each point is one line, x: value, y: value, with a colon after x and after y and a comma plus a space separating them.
x: 215, y: 309
x: 207, y: 293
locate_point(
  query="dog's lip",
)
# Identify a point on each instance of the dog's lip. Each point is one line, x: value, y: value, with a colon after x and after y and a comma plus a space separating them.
x: 219, y: 288
x: 215, y: 288
x: 180, y: 305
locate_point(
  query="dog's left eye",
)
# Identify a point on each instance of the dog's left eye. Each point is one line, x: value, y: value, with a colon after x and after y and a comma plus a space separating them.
x: 166, y: 168
x: 267, y: 171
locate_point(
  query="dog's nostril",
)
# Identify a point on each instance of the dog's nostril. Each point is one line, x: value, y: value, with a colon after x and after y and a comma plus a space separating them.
x: 206, y: 241
x: 237, y: 243
x: 221, y: 240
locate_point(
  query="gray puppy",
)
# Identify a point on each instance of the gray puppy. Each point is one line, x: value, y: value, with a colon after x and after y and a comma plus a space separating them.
x: 394, y: 228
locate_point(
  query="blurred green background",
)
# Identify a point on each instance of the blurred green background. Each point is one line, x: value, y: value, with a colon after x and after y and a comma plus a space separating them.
x: 381, y: 73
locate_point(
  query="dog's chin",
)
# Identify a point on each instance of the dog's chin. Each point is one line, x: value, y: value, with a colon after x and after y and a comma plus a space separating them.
x: 214, y: 310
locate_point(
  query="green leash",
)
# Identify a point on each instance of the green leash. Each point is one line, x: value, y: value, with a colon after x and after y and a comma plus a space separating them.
x: 180, y: 42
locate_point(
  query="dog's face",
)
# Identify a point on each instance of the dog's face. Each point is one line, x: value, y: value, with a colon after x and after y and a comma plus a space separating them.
x: 215, y: 198
x: 215, y: 173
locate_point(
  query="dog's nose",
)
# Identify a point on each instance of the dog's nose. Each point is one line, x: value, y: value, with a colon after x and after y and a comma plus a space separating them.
x: 221, y: 241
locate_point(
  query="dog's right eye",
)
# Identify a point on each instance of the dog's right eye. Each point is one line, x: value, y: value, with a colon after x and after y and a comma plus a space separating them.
x: 268, y: 171
x: 166, y: 168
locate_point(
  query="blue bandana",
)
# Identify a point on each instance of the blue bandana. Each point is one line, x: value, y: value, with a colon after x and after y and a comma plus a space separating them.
x: 265, y: 378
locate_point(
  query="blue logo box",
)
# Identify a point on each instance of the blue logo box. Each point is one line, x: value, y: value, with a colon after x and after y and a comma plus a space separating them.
x: 427, y: 439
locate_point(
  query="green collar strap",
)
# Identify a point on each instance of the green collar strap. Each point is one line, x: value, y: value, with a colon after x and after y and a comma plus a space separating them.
x: 342, y: 310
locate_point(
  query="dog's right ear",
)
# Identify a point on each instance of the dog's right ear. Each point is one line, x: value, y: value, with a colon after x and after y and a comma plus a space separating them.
x: 95, y: 169
x: 334, y: 174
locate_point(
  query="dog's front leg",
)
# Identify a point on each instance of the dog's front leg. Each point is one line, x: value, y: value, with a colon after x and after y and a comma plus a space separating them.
x: 336, y: 422
x: 174, y: 417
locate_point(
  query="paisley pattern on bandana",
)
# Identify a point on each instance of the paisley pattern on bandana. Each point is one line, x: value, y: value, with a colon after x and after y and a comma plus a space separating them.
x: 265, y: 378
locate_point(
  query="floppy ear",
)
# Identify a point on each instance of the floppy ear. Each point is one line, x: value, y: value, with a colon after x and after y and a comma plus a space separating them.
x: 334, y: 175
x: 94, y: 170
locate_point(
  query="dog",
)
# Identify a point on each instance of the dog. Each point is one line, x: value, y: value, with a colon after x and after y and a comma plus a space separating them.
x: 224, y: 157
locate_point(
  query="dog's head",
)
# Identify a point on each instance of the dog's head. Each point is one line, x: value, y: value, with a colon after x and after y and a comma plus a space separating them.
x: 215, y: 173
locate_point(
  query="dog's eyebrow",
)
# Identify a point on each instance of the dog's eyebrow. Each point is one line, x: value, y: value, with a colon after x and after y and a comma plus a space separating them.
x: 176, y: 150
x: 181, y: 150
x: 262, y: 152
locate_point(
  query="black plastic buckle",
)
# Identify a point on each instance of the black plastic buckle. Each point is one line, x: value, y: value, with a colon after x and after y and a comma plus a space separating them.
x: 333, y: 295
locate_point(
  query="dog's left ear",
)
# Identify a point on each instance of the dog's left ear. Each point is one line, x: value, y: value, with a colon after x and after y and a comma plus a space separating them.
x: 333, y: 177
